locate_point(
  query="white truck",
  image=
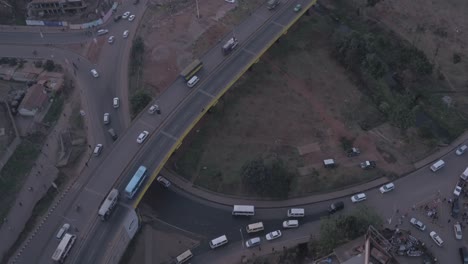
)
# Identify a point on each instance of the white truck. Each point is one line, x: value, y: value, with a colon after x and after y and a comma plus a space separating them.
x: 229, y: 46
x: 464, y: 175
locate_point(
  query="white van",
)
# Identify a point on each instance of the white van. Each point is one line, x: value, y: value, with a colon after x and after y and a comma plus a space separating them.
x: 296, y: 212
x: 193, y: 81
x: 252, y: 228
x: 62, y: 230
x: 438, y: 165
x: 184, y: 257
x: 219, y: 241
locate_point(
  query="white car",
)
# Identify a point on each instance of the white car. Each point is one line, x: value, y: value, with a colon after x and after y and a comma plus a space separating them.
x: 436, y: 238
x: 97, y: 150
x: 126, y: 15
x: 461, y: 150
x: 273, y: 235
x: 125, y: 34
x: 457, y: 190
x: 106, y: 118
x: 290, y: 224
x: 165, y: 182
x: 116, y: 102
x: 131, y: 18
x: 153, y: 108
x: 418, y: 224
x: 387, y: 187
x: 111, y: 39
x: 458, y: 231
x: 252, y: 242
x: 94, y: 73
x: 142, y: 136
x: 358, y: 197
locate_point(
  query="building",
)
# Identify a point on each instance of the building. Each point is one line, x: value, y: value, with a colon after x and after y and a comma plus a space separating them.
x: 34, y: 101
x: 43, y: 8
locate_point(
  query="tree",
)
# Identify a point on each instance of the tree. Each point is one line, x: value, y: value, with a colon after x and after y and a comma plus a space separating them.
x: 272, y: 180
x: 374, y: 65
x: 49, y: 65
x: 339, y: 229
x: 139, y: 101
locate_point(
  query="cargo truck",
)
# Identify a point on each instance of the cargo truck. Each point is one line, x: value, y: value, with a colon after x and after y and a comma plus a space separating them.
x: 229, y: 46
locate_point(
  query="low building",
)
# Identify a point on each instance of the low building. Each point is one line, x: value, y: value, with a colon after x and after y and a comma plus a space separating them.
x: 43, y: 8
x: 34, y: 101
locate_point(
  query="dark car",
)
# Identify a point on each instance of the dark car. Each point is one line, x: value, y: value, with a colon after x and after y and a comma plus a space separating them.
x: 334, y: 207
x: 117, y: 18
x: 463, y: 255
x: 353, y: 152
x: 455, y: 208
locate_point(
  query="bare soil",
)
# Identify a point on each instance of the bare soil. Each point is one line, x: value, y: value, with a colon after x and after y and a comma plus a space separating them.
x: 174, y: 35
x: 297, y: 95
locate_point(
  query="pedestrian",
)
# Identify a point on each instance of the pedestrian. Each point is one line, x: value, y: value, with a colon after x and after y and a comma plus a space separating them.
x: 397, y: 211
x: 29, y: 188
x: 20, y: 204
x: 445, y: 199
x: 449, y: 220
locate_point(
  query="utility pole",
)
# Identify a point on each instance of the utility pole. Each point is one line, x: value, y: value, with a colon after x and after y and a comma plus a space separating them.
x: 198, y: 11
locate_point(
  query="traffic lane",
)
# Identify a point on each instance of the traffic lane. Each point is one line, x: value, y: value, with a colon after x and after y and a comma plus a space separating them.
x: 223, y: 76
x: 208, y: 221
x: 288, y: 14
x: 418, y: 189
x: 243, y: 32
x: 115, y: 164
x: 89, y: 252
x: 231, y: 252
x: 266, y: 35
x: 186, y: 114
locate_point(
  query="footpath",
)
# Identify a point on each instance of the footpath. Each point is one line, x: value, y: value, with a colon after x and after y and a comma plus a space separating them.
x: 219, y: 198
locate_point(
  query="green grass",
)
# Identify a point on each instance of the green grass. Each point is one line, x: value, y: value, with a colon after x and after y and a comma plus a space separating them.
x: 16, y: 169
x: 38, y: 212
x: 54, y: 110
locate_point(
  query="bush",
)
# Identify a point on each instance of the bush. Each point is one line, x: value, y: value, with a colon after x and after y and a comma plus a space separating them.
x: 456, y: 58
x: 272, y: 180
x: 38, y: 64
x: 346, y: 143
x: 136, y: 60
x: 139, y: 101
x: 49, y: 66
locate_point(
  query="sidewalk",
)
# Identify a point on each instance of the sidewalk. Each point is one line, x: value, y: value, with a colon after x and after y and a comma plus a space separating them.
x: 219, y: 198
x: 37, y: 183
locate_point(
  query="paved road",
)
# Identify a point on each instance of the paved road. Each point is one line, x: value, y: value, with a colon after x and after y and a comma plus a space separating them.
x: 89, y: 190
x: 210, y: 219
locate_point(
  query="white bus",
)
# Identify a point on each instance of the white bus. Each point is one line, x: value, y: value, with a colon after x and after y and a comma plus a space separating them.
x: 64, y: 247
x: 108, y: 205
x: 184, y: 257
x: 243, y: 210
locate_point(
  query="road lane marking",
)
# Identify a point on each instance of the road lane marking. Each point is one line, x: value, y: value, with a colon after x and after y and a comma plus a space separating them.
x: 169, y: 135
x: 148, y: 125
x: 248, y: 51
x: 278, y: 24
x: 206, y: 93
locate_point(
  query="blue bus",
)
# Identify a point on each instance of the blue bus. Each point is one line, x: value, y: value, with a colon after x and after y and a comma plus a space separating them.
x: 135, y: 182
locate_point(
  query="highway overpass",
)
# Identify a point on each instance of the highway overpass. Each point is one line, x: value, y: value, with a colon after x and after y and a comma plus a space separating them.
x: 105, y: 242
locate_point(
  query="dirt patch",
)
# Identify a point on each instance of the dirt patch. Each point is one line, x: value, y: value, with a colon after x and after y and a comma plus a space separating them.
x: 297, y: 95
x: 174, y: 35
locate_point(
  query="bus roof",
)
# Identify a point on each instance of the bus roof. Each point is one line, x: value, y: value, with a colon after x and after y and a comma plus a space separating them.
x: 111, y: 197
x: 135, y: 179
x: 244, y: 208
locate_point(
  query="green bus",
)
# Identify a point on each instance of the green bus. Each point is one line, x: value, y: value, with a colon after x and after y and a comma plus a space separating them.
x: 191, y: 70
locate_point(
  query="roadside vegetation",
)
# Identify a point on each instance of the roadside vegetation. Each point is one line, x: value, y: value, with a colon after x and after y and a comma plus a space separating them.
x: 334, y: 231
x: 17, y: 168
x: 139, y: 97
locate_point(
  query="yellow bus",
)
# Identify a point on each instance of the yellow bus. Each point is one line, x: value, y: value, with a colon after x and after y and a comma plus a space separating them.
x: 191, y: 70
